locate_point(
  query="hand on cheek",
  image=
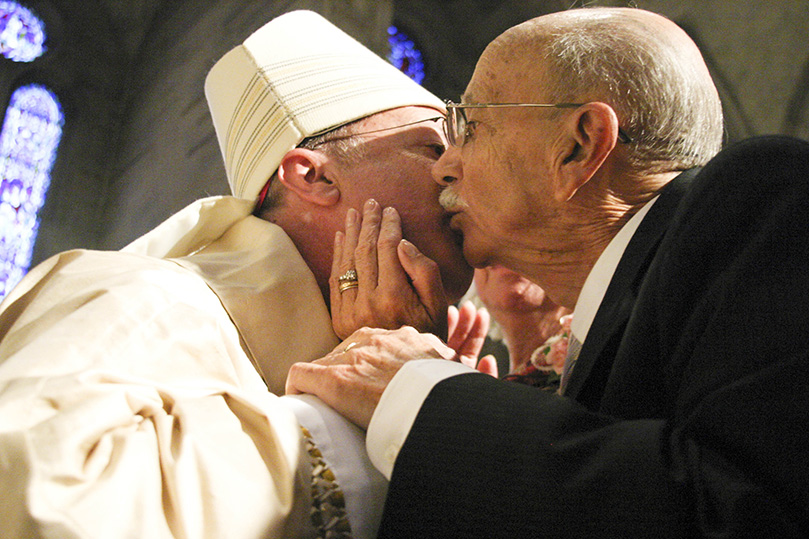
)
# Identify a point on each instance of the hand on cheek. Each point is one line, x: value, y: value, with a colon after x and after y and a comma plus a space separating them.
x: 396, y: 285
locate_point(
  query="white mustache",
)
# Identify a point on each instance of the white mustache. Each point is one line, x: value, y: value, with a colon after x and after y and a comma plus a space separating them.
x: 450, y: 200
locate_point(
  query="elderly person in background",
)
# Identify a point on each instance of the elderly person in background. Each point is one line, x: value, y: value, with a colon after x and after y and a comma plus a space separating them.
x: 534, y: 329
x: 139, y: 389
x: 584, y: 157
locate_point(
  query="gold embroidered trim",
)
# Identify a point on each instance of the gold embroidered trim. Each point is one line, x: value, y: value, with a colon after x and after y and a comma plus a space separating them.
x: 328, y: 513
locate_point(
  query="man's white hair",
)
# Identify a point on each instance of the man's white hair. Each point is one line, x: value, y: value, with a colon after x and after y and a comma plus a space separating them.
x: 669, y: 109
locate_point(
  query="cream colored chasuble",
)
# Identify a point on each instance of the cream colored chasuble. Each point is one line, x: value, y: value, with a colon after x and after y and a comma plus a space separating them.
x: 128, y: 406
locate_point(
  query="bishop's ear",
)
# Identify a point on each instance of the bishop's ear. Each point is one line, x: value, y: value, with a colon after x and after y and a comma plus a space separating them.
x: 303, y: 172
x: 592, y: 132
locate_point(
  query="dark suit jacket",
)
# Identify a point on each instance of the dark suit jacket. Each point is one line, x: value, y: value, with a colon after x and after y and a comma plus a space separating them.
x: 687, y: 414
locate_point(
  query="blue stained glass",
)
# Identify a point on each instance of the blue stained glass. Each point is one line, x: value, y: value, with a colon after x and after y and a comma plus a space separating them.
x: 22, y: 34
x: 28, y: 141
x: 405, y: 55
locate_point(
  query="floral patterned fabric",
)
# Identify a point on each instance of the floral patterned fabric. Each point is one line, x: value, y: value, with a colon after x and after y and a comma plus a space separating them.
x: 544, y: 370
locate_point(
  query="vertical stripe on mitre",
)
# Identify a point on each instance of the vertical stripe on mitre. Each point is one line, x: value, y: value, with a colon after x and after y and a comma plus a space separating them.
x: 258, y: 122
x: 323, y: 91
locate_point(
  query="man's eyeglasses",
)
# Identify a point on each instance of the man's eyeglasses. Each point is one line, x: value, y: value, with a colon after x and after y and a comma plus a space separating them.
x: 457, y: 129
x: 326, y: 139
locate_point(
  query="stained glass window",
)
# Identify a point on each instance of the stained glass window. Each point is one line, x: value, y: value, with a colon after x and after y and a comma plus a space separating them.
x: 405, y: 55
x: 22, y: 34
x: 28, y: 141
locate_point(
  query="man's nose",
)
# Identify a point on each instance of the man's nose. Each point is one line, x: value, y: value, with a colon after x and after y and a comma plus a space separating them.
x: 448, y: 167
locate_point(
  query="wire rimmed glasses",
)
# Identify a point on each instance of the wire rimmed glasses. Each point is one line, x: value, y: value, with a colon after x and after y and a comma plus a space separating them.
x: 456, y: 128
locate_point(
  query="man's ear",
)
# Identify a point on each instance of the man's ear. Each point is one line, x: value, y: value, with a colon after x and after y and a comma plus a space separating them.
x: 303, y: 172
x: 591, y: 133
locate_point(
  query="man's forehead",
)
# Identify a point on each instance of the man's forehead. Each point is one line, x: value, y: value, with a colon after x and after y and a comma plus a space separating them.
x: 405, y: 125
x: 502, y: 77
x: 479, y: 88
x: 487, y: 92
x: 400, y: 116
x: 475, y: 94
x: 488, y: 83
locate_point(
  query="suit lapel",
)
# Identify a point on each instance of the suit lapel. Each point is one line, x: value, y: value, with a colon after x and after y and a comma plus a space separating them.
x: 595, y: 360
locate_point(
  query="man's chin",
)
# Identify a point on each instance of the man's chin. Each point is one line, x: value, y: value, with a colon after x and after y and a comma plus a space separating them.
x: 464, y: 242
x: 474, y: 257
x: 457, y: 278
x: 457, y: 237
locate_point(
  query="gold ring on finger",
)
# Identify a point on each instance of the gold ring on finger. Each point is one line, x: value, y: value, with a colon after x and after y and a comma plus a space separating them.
x: 347, y: 285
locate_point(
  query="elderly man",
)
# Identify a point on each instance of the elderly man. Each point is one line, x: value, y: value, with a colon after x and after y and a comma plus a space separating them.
x: 134, y: 394
x: 684, y: 410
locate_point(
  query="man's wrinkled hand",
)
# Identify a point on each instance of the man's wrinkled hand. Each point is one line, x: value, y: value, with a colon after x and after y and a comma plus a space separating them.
x: 352, y: 378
